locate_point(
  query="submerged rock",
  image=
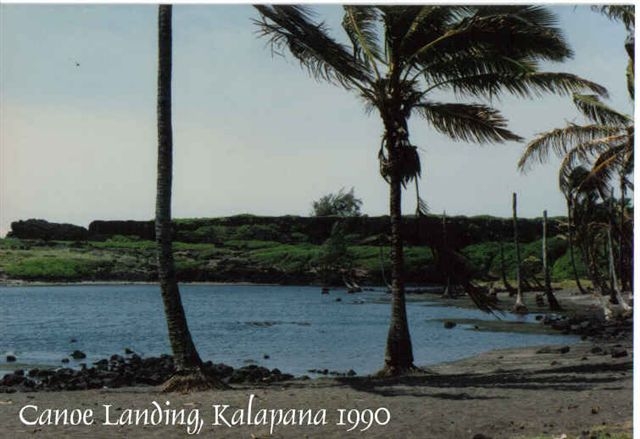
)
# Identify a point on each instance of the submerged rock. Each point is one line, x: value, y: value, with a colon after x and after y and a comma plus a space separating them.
x: 78, y: 355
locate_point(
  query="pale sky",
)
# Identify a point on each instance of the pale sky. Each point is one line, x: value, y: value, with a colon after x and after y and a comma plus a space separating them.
x: 253, y: 133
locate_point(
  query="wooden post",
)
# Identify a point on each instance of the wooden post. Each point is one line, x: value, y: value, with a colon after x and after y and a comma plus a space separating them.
x: 519, y: 307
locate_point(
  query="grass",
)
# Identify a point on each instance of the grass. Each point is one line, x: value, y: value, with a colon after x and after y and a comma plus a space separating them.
x: 125, y: 257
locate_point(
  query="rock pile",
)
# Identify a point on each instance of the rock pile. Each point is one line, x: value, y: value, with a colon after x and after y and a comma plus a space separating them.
x: 132, y: 371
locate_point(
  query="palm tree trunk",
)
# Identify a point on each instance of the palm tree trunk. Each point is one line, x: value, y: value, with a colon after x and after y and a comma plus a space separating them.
x: 621, y: 237
x: 398, y: 357
x: 519, y: 306
x: 190, y: 374
x: 572, y: 248
x: 184, y: 351
x: 551, y: 298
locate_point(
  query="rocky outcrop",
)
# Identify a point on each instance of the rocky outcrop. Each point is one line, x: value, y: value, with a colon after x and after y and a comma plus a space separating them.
x: 41, y: 229
x: 461, y: 231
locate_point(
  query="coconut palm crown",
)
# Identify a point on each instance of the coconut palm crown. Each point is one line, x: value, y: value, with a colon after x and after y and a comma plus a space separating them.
x: 398, y: 59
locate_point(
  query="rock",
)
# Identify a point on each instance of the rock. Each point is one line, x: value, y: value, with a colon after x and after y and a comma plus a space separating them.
x: 539, y: 317
x: 618, y: 353
x: 19, y: 372
x: 481, y: 436
x: 73, y: 340
x: 550, y: 350
x: 128, y: 351
x: 78, y: 355
x: 338, y: 300
x: 266, y: 357
x: 561, y: 325
x: 11, y: 358
x: 449, y: 324
x: 41, y: 229
x: 65, y: 360
x: 12, y: 379
x: 596, y: 350
x: 351, y: 373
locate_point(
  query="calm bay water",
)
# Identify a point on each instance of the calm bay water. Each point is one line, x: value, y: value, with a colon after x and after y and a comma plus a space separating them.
x: 297, y: 327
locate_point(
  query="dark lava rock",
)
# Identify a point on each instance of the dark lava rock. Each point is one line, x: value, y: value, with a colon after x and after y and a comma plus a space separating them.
x: 78, y: 355
x: 121, y: 372
x: 550, y: 350
x: 19, y: 372
x: 65, y: 360
x: 128, y: 351
x: 618, y: 353
x: 351, y: 372
x: 11, y: 358
x: 73, y: 340
x: 449, y: 324
x: 596, y: 350
x: 266, y: 357
x: 12, y: 379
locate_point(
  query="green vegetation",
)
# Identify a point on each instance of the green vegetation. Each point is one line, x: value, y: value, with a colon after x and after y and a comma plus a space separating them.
x: 340, y: 204
x: 271, y: 261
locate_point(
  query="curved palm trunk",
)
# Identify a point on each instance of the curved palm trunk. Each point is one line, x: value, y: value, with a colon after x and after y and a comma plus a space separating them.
x: 571, y: 247
x: 551, y: 298
x: 624, y: 285
x: 399, y: 354
x: 184, y: 352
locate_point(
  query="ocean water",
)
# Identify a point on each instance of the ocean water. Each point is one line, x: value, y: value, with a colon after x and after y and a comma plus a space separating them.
x: 296, y: 327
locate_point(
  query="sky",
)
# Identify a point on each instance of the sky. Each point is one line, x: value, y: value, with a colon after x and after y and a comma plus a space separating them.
x: 253, y: 132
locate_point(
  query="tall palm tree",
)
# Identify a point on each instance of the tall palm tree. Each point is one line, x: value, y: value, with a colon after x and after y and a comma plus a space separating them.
x: 399, y: 59
x: 186, y: 358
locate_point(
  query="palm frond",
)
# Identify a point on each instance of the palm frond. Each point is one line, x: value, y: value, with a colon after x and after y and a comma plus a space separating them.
x: 612, y: 162
x: 292, y: 28
x: 594, y: 109
x: 561, y: 140
x: 490, y: 28
x: 587, y: 153
x: 521, y: 83
x: 467, y: 122
x: 359, y: 22
x: 623, y: 13
x: 422, y: 208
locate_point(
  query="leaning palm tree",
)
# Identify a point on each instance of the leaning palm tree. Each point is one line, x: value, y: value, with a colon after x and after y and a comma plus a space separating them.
x: 399, y: 60
x: 186, y: 358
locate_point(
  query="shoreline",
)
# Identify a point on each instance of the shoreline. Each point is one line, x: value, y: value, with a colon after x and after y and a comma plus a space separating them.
x: 505, y: 393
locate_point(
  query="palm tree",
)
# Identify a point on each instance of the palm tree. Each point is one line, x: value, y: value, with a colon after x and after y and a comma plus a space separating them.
x: 604, y: 145
x: 397, y: 58
x: 186, y: 358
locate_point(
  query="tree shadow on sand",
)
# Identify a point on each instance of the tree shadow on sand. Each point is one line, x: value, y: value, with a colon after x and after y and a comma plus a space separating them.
x: 567, y: 378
